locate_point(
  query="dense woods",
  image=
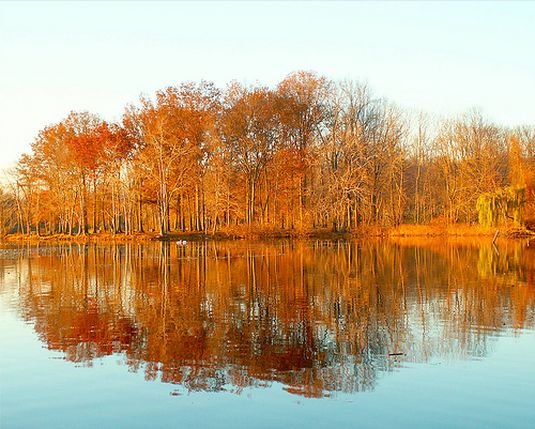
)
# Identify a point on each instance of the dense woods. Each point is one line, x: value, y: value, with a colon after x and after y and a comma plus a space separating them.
x: 307, y: 154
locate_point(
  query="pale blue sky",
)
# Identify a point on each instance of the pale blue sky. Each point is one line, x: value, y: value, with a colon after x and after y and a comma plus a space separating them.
x: 444, y: 58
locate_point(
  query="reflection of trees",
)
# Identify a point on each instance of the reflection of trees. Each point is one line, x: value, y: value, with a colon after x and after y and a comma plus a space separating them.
x: 317, y: 317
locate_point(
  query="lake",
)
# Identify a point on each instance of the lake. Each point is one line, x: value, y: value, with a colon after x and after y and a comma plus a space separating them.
x: 407, y: 333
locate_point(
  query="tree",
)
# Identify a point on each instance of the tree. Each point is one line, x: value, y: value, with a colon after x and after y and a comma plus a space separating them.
x: 171, y: 133
x: 304, y: 109
x: 86, y: 153
x: 8, y: 212
x: 305, y: 153
x: 503, y: 207
x: 250, y: 130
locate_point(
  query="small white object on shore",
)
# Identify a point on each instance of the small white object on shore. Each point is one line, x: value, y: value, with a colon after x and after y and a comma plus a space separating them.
x: 181, y: 242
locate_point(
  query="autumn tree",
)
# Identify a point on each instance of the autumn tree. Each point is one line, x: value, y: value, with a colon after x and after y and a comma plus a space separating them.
x: 172, y: 131
x: 471, y: 159
x: 346, y: 156
x: 52, y: 162
x: 85, y: 150
x: 8, y: 211
x: 304, y: 109
x: 305, y: 153
x: 251, y: 132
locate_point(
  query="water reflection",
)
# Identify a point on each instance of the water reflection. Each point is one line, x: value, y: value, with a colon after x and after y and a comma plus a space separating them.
x: 318, y: 317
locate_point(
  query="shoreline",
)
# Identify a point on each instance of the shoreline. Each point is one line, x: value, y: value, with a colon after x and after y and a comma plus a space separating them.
x: 416, y: 231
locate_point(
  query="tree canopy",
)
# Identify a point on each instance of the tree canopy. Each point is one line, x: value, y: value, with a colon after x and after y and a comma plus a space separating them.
x: 306, y: 153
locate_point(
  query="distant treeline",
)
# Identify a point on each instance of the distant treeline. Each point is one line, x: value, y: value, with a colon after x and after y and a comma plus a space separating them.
x: 309, y: 153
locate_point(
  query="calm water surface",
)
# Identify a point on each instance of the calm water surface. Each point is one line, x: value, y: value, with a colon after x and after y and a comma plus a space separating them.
x: 294, y: 334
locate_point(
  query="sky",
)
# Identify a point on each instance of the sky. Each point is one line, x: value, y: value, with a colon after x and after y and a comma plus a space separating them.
x: 444, y: 58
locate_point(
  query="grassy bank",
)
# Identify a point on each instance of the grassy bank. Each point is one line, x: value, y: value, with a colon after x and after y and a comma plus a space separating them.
x: 457, y: 230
